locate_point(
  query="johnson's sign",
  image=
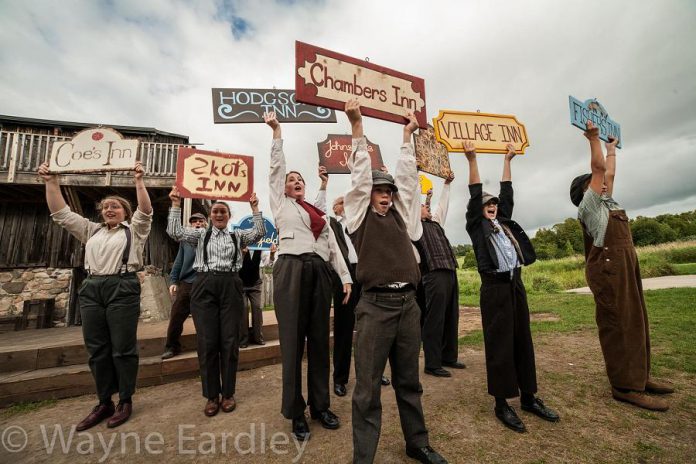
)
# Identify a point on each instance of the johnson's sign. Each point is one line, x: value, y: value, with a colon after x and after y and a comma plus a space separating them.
x: 94, y: 150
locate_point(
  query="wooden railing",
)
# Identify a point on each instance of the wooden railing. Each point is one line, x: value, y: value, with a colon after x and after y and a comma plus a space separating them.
x: 22, y: 152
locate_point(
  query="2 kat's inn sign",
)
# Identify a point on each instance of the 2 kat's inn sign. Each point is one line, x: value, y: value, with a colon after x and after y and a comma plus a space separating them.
x: 94, y: 150
x: 335, y: 150
x: 330, y: 79
x: 248, y: 105
x: 213, y: 175
x: 490, y: 132
x: 581, y: 112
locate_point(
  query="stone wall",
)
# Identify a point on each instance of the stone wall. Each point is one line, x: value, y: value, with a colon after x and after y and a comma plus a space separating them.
x: 19, y: 285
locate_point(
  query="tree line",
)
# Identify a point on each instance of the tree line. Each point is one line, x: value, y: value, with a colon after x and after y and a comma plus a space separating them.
x: 565, y: 238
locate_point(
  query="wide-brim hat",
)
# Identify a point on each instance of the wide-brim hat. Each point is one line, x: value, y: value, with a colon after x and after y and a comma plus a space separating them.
x: 383, y: 178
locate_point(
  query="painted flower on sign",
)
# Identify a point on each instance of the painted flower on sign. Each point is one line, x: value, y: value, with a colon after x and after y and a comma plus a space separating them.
x: 97, y: 136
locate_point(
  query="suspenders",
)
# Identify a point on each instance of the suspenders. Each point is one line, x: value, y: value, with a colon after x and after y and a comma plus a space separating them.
x: 206, y: 239
x: 126, y: 249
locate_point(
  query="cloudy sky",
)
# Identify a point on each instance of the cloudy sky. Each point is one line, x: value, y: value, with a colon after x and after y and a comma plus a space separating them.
x: 153, y: 63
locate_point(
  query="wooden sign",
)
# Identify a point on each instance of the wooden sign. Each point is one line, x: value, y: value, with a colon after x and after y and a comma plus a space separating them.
x: 330, y: 79
x: 335, y: 149
x: 248, y: 106
x: 431, y: 154
x: 265, y: 242
x: 580, y: 112
x: 489, y: 132
x: 213, y: 175
x: 94, y: 150
x: 425, y: 184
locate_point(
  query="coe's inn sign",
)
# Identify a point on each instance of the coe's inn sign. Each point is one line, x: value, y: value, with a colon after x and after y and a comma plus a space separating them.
x: 94, y: 150
x: 248, y: 105
x: 330, y: 79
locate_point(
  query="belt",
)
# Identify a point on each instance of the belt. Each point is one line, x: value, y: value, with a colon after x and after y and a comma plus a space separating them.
x: 225, y: 273
x: 121, y: 274
x: 302, y: 257
x: 403, y: 289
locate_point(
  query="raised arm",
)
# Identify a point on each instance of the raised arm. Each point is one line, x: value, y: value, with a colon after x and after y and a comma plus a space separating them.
x: 357, y: 199
x: 54, y: 197
x: 407, y: 199
x: 473, y: 210
x: 610, y: 164
x: 470, y: 153
x: 249, y: 236
x: 506, y: 196
x: 597, y: 158
x: 509, y: 156
x: 144, y: 203
x: 174, y: 228
x: 320, y: 202
x: 440, y: 215
x: 276, y: 179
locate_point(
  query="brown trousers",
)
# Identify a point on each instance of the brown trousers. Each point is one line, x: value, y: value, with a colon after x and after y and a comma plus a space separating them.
x: 613, y: 275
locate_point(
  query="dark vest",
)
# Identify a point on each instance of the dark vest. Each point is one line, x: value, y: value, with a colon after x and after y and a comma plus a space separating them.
x: 340, y: 238
x: 385, y: 253
x: 249, y: 273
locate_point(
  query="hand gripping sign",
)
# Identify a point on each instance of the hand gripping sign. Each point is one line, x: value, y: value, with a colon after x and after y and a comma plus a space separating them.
x: 213, y: 175
x: 330, y: 79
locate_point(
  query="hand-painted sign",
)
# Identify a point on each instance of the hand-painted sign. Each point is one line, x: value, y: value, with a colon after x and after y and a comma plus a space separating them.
x: 431, y: 154
x: 490, y: 132
x: 335, y: 150
x: 591, y: 109
x: 425, y: 184
x: 248, y: 105
x: 267, y: 240
x: 213, y: 175
x: 330, y: 79
x: 94, y: 150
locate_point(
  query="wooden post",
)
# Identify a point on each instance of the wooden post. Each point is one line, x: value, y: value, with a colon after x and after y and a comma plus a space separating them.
x: 187, y: 210
x: 12, y: 168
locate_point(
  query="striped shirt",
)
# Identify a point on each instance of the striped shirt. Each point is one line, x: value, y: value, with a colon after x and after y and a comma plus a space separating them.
x: 593, y: 211
x: 504, y: 249
x: 222, y: 254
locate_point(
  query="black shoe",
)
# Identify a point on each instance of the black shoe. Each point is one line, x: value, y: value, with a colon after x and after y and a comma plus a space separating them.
x: 509, y: 418
x: 385, y: 381
x: 438, y: 372
x: 169, y: 353
x: 455, y: 365
x: 243, y: 345
x: 539, y: 409
x: 300, y: 428
x: 328, y: 419
x: 340, y: 389
x: 425, y: 454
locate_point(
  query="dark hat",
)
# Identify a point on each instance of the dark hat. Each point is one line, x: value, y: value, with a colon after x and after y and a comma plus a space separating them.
x: 577, y: 188
x: 195, y: 216
x: 486, y: 197
x: 383, y: 178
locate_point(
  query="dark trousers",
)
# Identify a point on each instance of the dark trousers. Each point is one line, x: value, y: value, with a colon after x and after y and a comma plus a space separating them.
x: 440, y: 331
x: 110, y: 307
x: 387, y: 327
x: 181, y: 308
x: 253, y: 296
x: 302, y: 300
x: 344, y: 323
x: 216, y: 305
x: 510, y: 366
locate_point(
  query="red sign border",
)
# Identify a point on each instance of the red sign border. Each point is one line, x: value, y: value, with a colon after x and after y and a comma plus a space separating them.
x: 306, y: 93
x: 186, y: 152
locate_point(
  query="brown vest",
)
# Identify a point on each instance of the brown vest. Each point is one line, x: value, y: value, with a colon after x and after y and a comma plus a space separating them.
x: 385, y: 252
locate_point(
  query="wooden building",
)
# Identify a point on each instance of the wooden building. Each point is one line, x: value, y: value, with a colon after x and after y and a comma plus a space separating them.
x: 33, y: 250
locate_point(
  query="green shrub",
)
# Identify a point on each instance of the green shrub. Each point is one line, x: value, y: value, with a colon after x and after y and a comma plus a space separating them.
x: 545, y: 284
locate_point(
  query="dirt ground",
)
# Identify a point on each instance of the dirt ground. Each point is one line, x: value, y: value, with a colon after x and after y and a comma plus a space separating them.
x: 168, y: 424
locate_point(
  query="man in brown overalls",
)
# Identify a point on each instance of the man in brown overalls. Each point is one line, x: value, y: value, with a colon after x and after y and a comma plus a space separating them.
x: 613, y: 275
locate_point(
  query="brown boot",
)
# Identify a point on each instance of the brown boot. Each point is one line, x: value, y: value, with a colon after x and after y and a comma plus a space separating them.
x: 228, y: 404
x: 123, y: 412
x: 660, y: 388
x: 98, y: 414
x: 640, y: 399
x: 212, y: 407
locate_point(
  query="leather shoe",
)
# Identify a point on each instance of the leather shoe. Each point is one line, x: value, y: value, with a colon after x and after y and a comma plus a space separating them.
x: 168, y: 354
x: 228, y: 404
x: 212, y: 407
x: 385, y: 381
x: 438, y: 372
x: 509, y: 418
x: 98, y: 414
x: 340, y: 389
x: 243, y: 345
x: 455, y: 365
x: 300, y: 428
x: 539, y: 408
x: 659, y: 388
x: 123, y: 412
x: 327, y: 419
x: 259, y: 342
x: 640, y: 399
x: 425, y: 454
